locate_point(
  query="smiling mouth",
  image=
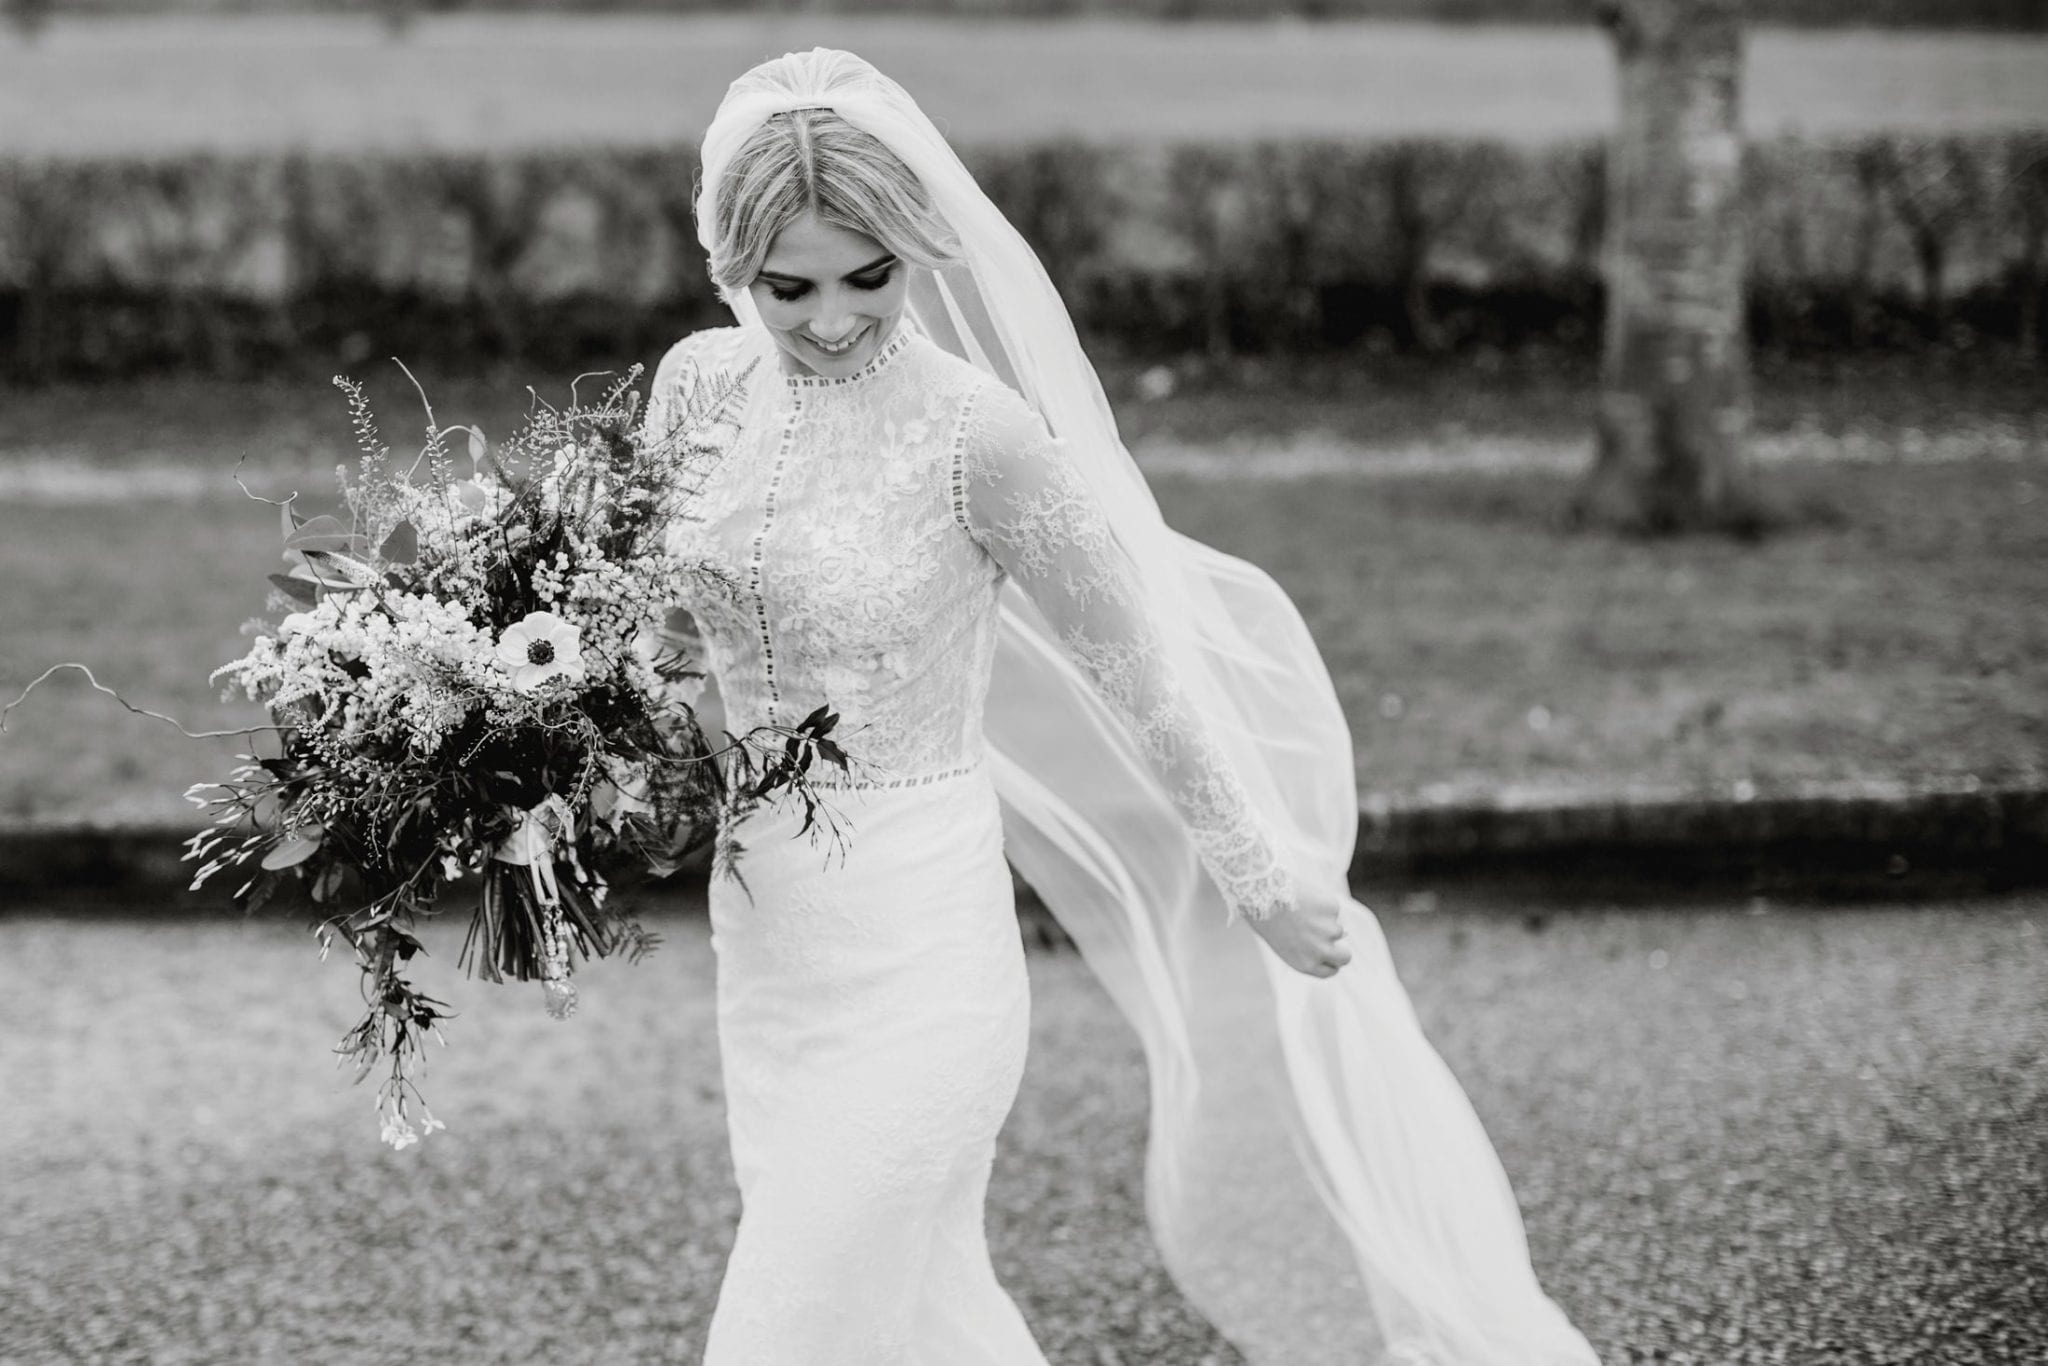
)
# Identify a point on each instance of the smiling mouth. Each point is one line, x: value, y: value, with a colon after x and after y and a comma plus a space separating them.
x: 842, y: 348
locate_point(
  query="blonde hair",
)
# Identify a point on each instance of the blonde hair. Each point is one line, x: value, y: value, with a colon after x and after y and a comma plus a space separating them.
x: 813, y: 161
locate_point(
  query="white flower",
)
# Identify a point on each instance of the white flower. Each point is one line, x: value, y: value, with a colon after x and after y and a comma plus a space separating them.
x: 396, y: 1128
x: 539, y: 648
x: 295, y: 623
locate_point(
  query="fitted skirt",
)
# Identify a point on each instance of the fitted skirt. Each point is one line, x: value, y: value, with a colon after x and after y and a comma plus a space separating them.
x: 873, y: 1016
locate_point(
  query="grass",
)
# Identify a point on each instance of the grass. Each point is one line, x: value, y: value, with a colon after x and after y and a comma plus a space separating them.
x: 1738, y: 1137
x: 293, y: 422
x: 158, y: 86
x: 1895, y: 632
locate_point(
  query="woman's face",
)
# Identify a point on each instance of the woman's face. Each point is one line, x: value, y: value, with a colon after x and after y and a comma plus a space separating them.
x: 830, y: 296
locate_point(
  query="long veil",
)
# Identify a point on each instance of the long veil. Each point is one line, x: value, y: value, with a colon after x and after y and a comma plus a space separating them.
x: 1316, y: 1181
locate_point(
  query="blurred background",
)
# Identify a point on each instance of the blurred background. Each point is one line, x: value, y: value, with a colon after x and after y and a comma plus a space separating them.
x: 1341, y: 268
x: 1350, y: 269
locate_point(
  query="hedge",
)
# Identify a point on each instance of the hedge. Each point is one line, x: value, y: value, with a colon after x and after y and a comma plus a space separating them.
x: 231, y: 264
x: 1936, y: 14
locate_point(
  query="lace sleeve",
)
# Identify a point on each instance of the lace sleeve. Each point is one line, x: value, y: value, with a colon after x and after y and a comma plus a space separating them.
x: 704, y: 357
x: 1018, y: 494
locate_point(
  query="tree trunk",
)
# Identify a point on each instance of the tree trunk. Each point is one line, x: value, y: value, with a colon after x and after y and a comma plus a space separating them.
x: 1674, y: 403
x: 2031, y: 188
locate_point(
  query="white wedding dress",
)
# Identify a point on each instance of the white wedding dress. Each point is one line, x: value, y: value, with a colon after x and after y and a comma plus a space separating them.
x: 873, y: 1009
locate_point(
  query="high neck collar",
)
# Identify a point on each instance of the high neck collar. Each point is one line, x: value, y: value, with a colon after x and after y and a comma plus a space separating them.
x: 893, y: 346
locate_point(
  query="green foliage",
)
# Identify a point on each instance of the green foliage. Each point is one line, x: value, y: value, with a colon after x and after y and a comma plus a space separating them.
x: 29, y: 17
x: 237, y: 264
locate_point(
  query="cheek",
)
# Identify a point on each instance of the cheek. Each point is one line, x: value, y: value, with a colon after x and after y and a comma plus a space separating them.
x: 886, y: 301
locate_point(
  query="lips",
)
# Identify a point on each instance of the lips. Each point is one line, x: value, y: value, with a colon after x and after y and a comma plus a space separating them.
x: 840, y: 350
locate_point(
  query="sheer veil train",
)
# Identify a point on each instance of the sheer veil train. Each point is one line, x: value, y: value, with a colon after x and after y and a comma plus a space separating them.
x: 1316, y: 1181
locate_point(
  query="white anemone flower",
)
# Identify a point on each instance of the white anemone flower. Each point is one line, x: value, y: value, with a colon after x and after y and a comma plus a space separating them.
x: 539, y: 648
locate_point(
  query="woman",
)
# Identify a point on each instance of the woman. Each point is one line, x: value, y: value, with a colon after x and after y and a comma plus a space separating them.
x: 932, y: 527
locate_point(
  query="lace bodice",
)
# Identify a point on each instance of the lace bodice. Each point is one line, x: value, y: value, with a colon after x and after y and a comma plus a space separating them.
x: 867, y: 523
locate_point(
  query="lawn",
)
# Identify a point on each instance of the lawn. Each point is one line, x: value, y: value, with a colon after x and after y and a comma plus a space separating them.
x: 107, y: 86
x: 1738, y: 1136
x: 1893, y: 631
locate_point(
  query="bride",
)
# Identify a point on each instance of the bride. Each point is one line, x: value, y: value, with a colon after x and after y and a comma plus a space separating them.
x: 930, y: 524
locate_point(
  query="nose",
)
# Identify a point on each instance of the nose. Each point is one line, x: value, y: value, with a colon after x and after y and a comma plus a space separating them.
x: 834, y: 321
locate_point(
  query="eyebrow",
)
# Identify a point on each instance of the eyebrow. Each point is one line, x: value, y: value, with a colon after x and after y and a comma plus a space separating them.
x: 875, y: 264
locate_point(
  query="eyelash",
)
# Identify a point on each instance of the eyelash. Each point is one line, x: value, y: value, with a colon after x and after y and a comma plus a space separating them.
x: 790, y: 296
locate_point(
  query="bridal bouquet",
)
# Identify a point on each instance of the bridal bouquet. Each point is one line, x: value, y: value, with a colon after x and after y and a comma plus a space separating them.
x: 470, y: 683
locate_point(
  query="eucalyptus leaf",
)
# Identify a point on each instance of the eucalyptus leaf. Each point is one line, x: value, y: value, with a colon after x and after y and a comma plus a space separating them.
x: 294, y: 849
x: 328, y: 883
x: 402, y: 546
x: 327, y: 568
x: 297, y: 589
x: 321, y: 533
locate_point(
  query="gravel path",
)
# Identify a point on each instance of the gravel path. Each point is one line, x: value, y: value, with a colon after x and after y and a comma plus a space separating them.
x: 1741, y: 1135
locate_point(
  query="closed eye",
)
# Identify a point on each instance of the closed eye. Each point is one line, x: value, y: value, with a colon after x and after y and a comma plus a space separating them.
x: 874, y: 280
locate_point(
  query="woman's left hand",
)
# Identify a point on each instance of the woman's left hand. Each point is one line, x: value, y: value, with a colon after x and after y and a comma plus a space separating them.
x: 1310, y: 937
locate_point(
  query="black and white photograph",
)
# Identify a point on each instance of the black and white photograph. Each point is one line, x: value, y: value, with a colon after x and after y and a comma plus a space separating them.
x: 1024, y: 682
